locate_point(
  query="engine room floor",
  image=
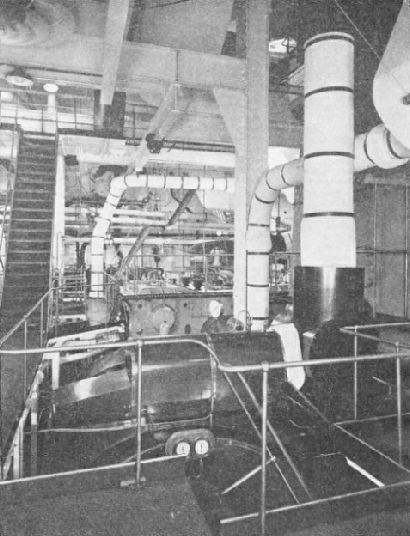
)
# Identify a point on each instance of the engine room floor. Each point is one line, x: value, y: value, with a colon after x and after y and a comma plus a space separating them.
x: 68, y: 505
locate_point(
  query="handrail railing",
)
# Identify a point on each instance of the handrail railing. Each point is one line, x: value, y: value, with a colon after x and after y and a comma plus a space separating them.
x: 9, y: 194
x: 24, y: 319
x: 51, y: 355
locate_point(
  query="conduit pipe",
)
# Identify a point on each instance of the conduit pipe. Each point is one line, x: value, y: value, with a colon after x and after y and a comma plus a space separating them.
x: 97, y: 312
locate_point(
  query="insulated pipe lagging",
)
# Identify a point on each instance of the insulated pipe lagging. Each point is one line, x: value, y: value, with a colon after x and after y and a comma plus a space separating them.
x: 328, y: 226
x: 258, y: 241
x: 391, y: 85
x: 117, y: 188
x: 379, y: 147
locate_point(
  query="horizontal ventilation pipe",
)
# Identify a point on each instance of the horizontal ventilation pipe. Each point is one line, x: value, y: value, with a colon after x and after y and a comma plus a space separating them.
x: 97, y: 312
x: 379, y: 147
x: 391, y: 85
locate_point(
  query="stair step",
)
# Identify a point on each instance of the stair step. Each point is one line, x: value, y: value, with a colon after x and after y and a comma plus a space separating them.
x: 48, y: 177
x: 21, y: 189
x: 35, y: 214
x: 35, y: 163
x: 35, y: 173
x: 39, y: 227
x: 21, y: 268
x: 28, y: 256
x: 34, y: 191
x: 13, y: 248
x: 41, y: 183
x: 30, y: 236
x: 29, y: 240
x: 28, y: 278
x: 30, y: 210
x: 32, y: 204
x: 24, y: 197
x: 37, y: 150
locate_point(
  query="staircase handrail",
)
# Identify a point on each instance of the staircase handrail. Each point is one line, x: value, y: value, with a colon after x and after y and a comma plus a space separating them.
x: 28, y: 314
x: 7, y: 201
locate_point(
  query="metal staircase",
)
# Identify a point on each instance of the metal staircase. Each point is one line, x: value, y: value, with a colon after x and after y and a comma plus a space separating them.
x: 27, y: 274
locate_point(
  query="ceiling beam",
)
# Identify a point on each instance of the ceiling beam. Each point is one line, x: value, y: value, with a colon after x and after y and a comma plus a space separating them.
x: 115, y: 28
x: 140, y: 65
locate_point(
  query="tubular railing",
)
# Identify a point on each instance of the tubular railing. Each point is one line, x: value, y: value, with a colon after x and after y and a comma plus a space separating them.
x: 52, y: 358
x: 32, y: 330
x: 33, y: 113
x: 8, y: 199
x: 354, y: 331
x: 23, y: 322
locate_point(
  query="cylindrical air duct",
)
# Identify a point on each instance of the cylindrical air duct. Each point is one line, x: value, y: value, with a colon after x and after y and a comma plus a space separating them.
x: 391, y: 85
x: 328, y: 227
x: 258, y: 240
x: 328, y: 286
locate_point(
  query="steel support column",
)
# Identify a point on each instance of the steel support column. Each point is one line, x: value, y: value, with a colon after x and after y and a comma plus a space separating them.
x: 247, y: 118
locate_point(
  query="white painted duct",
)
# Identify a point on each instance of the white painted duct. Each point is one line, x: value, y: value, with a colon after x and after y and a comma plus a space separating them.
x: 258, y: 241
x: 391, y: 85
x: 328, y: 236
x: 379, y: 147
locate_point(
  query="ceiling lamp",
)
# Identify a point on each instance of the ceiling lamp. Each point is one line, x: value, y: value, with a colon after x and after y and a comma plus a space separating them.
x: 50, y: 87
x: 19, y: 77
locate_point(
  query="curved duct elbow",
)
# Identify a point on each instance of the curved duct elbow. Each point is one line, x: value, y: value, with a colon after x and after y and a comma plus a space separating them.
x: 379, y: 147
x: 258, y: 241
x: 391, y: 84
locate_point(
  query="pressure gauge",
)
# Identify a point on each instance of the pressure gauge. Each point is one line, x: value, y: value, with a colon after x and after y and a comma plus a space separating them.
x: 183, y: 448
x: 201, y: 447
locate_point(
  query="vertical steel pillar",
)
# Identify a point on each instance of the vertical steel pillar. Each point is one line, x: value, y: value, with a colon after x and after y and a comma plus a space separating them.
x: 247, y: 118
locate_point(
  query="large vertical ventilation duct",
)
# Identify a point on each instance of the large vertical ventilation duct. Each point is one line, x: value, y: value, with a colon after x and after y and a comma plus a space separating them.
x: 327, y: 285
x: 97, y: 311
x: 328, y: 227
